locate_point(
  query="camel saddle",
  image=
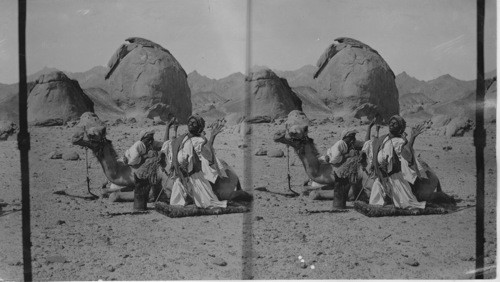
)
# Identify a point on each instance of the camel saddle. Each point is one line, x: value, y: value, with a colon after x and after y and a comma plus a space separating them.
x: 349, y: 169
x: 148, y: 168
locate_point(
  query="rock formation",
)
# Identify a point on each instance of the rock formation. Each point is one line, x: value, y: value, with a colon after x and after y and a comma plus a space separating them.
x: 353, y: 74
x: 7, y: 129
x: 269, y: 96
x: 143, y: 74
x: 55, y: 99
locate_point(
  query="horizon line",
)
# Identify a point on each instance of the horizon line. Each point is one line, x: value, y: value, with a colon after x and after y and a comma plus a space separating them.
x: 254, y: 66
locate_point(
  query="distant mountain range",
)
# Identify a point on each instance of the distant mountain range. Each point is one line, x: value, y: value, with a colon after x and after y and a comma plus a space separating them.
x: 207, y: 92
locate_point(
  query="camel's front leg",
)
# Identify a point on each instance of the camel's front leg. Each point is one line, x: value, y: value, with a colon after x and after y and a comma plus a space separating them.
x: 116, y: 188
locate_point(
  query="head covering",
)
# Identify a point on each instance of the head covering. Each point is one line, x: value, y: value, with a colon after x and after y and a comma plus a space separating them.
x: 146, y: 133
x: 401, y: 123
x: 347, y: 132
x: 200, y: 123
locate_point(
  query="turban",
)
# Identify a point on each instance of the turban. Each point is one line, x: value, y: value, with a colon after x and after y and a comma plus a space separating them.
x: 401, y: 123
x: 146, y: 133
x: 347, y: 132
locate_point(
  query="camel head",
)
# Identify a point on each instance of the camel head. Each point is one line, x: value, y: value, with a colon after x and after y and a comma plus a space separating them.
x: 294, y: 136
x: 92, y: 138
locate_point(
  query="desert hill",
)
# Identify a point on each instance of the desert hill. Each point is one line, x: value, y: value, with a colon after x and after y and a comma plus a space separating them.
x: 230, y: 87
x: 440, y: 89
x: 211, y: 97
x: 300, y: 77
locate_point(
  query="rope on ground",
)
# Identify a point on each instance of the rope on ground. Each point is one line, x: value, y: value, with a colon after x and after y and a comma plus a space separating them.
x: 289, y: 177
x: 88, y: 178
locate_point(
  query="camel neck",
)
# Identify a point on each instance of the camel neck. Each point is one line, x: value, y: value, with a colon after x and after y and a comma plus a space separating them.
x: 116, y: 171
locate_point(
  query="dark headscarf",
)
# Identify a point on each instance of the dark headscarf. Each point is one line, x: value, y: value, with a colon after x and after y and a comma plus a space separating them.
x: 401, y: 122
x: 200, y: 124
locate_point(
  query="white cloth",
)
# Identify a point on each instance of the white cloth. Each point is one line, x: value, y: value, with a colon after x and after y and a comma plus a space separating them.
x: 135, y: 152
x: 197, y: 185
x: 409, y: 174
x: 336, y: 156
x: 397, y: 188
x: 337, y: 153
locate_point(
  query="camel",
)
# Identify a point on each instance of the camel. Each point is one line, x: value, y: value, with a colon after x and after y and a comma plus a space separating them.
x: 151, y: 174
x: 318, y: 171
x: 352, y: 173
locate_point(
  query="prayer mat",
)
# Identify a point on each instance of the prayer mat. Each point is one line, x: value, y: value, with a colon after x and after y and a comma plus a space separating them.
x: 379, y: 211
x: 192, y: 210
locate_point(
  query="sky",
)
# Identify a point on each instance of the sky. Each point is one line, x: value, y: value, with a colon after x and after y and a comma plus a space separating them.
x: 425, y: 38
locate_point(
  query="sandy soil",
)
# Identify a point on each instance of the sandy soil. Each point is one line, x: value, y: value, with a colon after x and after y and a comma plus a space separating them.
x: 79, y: 239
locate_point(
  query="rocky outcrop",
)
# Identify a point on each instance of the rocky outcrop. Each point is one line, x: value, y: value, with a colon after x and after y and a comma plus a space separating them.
x: 55, y: 99
x: 269, y: 97
x: 490, y: 100
x: 143, y: 74
x: 7, y: 129
x: 311, y: 102
x: 352, y: 74
x: 104, y: 105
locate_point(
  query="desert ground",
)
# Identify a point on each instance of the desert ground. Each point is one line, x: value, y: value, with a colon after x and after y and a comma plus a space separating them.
x: 75, y: 238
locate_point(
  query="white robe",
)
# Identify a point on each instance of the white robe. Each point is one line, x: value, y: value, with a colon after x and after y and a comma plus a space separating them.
x: 197, y: 185
x: 397, y: 188
x: 409, y: 174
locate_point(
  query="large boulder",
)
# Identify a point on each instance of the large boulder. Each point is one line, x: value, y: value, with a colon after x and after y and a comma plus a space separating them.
x: 143, y: 74
x: 270, y: 97
x: 55, y: 99
x: 357, y: 80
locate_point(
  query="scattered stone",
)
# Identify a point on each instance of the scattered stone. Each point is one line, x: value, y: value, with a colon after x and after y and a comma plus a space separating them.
x: 157, y: 121
x: 324, y: 121
x: 219, y: 262
x: 54, y: 155
x: 56, y: 259
x: 489, y: 260
x: 447, y: 148
x: 260, y: 119
x: 338, y: 119
x: 15, y: 263
x: 275, y: 153
x: 468, y: 258
x: 261, y: 152
x: 70, y: 156
x: 411, y: 262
